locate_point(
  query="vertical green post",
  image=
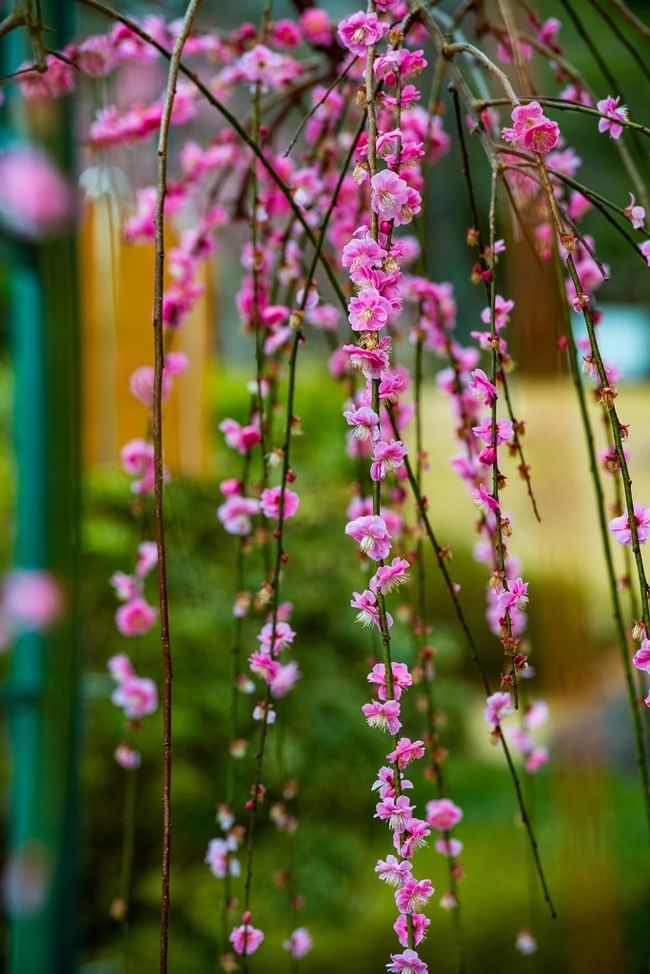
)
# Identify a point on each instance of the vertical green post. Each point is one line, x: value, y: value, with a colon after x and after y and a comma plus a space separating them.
x: 42, y: 695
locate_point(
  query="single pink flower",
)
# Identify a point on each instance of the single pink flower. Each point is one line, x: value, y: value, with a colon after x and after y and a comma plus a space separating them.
x: 393, y: 871
x: 498, y: 707
x: 395, y: 811
x: 401, y: 679
x: 361, y: 31
x: 389, y: 577
x: 449, y: 847
x: 389, y: 194
x: 270, y: 502
x: 620, y: 526
x: 120, y: 667
x: 136, y: 617
x: 220, y: 859
x: 481, y: 387
x: 368, y: 311
x: 246, y: 939
x: 609, y: 107
x: 137, y: 695
x: 443, y: 814
x: 384, y: 716
x: 372, y: 534
x: 368, y: 615
x: 236, y: 512
x: 542, y: 137
x: 127, y: 757
x: 515, y: 595
x: 299, y: 943
x: 413, y: 895
x: 405, y: 752
x: 536, y: 759
x: 147, y: 558
x: 406, y: 963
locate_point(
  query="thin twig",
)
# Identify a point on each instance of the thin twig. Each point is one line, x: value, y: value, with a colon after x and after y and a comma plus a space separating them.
x: 159, y: 351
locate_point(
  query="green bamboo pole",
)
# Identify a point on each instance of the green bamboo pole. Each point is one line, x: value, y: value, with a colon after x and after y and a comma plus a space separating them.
x: 42, y: 693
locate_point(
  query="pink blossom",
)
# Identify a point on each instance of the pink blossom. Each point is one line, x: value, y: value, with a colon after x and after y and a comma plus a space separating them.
x: 371, y: 361
x: 449, y: 847
x: 395, y: 811
x: 315, y: 26
x: 484, y: 500
x: 536, y: 759
x: 548, y: 31
x: 240, y: 438
x: 372, y: 534
x: 35, y: 200
x: 536, y: 714
x: 361, y: 31
x: 385, y: 783
x: 609, y: 107
x: 498, y: 707
x: 281, y: 635
x: 134, y: 618
x: 120, y: 667
x: 137, y: 458
x: 405, y: 752
x: 264, y: 666
x: 384, y: 716
x: 515, y: 595
x: 389, y: 194
x: 443, y: 814
x: 127, y: 757
x: 481, y: 387
x: 137, y: 695
x: 31, y: 599
x: 412, y: 837
x: 401, y: 679
x: 502, y: 309
x: 620, y: 526
x: 362, y: 252
x: 635, y: 213
x: 645, y: 250
x: 389, y: 577
x: 526, y: 943
x: 504, y: 431
x: 406, y: 963
x: 147, y: 558
x: 419, y: 922
x: 246, y: 939
x: 368, y: 311
x: 542, y: 137
x: 368, y: 615
x: 270, y: 502
x: 393, y: 871
x: 365, y: 422
x: 386, y: 458
x: 413, y: 895
x: 641, y: 658
x: 235, y: 514
x: 299, y: 943
x: 219, y: 858
x: 285, y: 679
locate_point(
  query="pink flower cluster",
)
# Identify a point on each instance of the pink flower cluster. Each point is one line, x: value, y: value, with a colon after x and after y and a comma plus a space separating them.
x: 137, y: 695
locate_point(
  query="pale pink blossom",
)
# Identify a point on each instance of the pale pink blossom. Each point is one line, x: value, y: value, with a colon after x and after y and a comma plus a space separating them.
x: 285, y: 679
x: 236, y: 512
x: 30, y: 600
x: 35, y: 199
x: 368, y: 615
x: 645, y: 250
x: 620, y: 526
x: 635, y: 213
x: 120, y: 667
x: 299, y: 943
x: 369, y: 311
x: 406, y: 963
x: 147, y: 558
x: 240, y: 438
x: 315, y: 26
x: 386, y: 458
x: 389, y: 194
x: 389, y: 577
x: 127, y: 757
x: 137, y: 695
x: 443, y: 814
x: 365, y: 422
x: 449, y: 847
x: 393, y: 871
x: 498, y: 707
x: 220, y: 859
x: 276, y: 638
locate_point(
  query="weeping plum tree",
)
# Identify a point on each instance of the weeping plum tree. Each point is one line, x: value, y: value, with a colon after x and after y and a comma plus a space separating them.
x: 323, y: 139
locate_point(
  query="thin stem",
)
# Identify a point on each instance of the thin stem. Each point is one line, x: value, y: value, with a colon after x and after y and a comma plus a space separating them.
x: 159, y: 352
x: 449, y: 50
x: 632, y: 18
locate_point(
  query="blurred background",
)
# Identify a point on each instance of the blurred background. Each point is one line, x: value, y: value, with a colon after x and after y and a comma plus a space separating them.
x: 74, y: 322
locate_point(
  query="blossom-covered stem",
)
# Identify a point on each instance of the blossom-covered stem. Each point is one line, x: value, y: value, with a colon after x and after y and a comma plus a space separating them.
x: 496, y: 476
x: 235, y: 124
x: 159, y: 361
x: 562, y: 105
x: 467, y: 173
x: 255, y: 275
x: 599, y: 496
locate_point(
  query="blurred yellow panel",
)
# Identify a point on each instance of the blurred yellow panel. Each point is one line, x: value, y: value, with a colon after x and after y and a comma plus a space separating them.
x: 116, y: 305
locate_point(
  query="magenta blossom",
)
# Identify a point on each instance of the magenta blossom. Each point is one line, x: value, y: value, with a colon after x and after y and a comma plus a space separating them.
x: 137, y: 695
x: 395, y: 811
x: 393, y: 871
x: 389, y: 577
x: 642, y: 657
x: 365, y: 422
x: 368, y: 615
x: 389, y: 194
x: 270, y: 502
x: 369, y: 311
x: 406, y: 751
x: 413, y: 895
x: 136, y: 617
x: 386, y: 458
x: 402, y: 679
x: 361, y: 31
x: 620, y: 526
